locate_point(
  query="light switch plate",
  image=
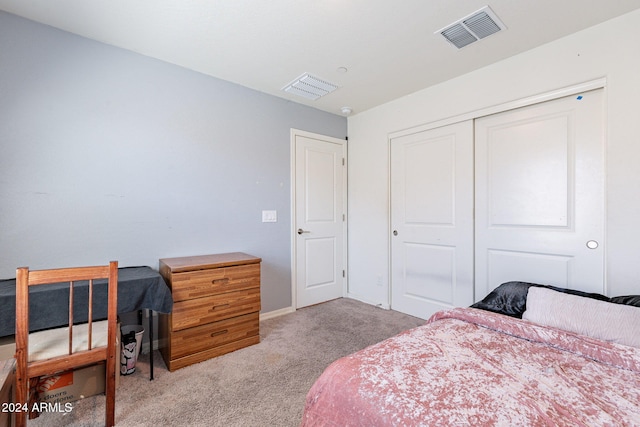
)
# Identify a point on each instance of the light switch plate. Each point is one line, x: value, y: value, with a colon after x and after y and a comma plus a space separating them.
x: 269, y: 216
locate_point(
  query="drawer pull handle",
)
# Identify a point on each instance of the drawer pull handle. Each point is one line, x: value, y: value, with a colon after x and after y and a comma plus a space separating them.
x: 218, y: 333
x: 220, y: 281
x: 219, y: 306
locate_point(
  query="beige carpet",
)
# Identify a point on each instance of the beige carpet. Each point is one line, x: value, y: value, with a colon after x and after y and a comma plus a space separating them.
x: 261, y: 385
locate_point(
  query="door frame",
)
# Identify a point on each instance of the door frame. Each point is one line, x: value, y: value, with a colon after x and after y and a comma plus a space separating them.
x: 294, y: 200
x: 598, y: 83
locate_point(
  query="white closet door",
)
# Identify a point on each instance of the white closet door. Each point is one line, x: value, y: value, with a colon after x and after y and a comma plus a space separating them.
x: 432, y: 220
x: 540, y: 195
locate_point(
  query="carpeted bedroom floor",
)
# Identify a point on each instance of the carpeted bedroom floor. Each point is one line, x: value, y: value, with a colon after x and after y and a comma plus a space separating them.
x: 261, y: 385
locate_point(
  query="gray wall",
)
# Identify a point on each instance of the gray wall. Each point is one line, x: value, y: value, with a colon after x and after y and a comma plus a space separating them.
x: 107, y: 154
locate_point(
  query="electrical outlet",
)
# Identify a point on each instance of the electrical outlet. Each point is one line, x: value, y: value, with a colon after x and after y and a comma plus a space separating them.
x: 269, y: 216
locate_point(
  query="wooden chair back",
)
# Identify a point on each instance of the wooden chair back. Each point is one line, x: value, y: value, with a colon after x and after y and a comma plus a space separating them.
x: 26, y: 369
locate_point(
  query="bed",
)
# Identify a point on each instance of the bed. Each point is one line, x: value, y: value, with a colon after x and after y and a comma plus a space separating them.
x: 571, y: 360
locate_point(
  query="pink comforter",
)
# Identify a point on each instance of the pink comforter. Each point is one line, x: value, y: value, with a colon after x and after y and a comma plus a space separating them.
x: 468, y: 367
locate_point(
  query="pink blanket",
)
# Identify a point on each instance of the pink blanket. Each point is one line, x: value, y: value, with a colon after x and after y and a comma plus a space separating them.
x: 468, y: 367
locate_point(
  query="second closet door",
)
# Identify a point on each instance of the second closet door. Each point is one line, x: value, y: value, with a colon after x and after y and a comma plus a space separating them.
x: 540, y: 195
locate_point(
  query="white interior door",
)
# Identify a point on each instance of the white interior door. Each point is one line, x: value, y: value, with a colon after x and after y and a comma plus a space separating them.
x: 432, y: 220
x: 540, y: 195
x: 319, y: 218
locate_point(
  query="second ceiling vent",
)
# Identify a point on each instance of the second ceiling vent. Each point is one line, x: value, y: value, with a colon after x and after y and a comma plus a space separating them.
x: 472, y: 28
x: 310, y: 87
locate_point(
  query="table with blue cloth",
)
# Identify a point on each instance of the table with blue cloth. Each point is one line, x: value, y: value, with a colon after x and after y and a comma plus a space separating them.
x: 139, y: 288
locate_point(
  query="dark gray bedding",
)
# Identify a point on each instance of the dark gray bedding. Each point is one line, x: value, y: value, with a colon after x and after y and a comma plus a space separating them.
x: 510, y: 298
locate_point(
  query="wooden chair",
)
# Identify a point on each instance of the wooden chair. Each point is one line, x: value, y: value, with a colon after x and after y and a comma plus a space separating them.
x: 26, y: 368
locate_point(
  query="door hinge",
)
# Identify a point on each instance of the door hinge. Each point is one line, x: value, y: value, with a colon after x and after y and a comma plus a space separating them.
x: 343, y: 161
x: 343, y: 273
x: 343, y: 217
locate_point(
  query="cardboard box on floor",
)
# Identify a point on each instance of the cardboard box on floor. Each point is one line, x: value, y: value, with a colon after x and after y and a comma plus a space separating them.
x: 72, y: 385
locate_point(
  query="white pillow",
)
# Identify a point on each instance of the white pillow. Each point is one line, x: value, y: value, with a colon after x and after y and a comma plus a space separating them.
x: 594, y: 318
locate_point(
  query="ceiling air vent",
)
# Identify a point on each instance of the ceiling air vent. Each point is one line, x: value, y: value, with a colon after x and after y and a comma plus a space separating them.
x: 309, y: 87
x: 472, y: 28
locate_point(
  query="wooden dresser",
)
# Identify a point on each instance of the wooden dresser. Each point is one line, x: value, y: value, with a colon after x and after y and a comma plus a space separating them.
x: 216, y: 307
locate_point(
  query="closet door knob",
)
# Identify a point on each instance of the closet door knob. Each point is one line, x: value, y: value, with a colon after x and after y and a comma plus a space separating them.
x: 300, y: 231
x: 592, y: 244
x: 395, y: 232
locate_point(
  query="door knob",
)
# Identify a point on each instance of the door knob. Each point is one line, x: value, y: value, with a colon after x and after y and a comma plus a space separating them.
x: 395, y: 232
x: 300, y: 231
x: 592, y: 244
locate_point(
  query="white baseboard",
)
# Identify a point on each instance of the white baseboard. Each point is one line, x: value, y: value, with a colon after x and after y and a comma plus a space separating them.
x: 277, y: 313
x: 386, y: 306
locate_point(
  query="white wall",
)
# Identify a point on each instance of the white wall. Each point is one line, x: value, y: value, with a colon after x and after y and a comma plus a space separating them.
x: 608, y: 50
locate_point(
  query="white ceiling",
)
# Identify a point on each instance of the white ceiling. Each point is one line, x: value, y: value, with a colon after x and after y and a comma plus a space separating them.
x: 387, y: 46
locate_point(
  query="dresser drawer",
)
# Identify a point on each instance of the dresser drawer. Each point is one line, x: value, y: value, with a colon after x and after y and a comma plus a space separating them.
x: 200, y: 338
x: 195, y: 312
x: 200, y: 283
